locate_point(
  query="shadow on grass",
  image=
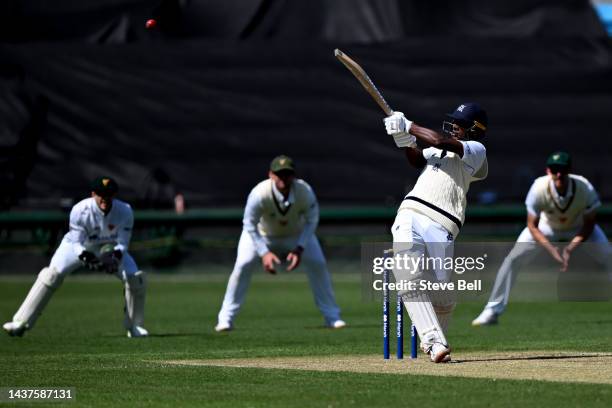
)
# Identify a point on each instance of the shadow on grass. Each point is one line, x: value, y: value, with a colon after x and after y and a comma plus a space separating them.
x: 180, y: 334
x: 543, y: 357
x: 348, y: 327
x: 155, y: 335
x: 606, y: 322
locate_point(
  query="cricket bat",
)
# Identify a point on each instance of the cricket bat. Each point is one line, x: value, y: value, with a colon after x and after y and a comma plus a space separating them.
x: 365, y: 80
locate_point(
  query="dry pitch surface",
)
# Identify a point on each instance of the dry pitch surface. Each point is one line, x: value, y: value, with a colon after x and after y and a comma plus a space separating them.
x: 543, y: 366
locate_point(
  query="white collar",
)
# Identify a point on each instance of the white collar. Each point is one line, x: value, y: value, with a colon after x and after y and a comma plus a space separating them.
x: 569, y: 192
x: 98, y: 210
x: 280, y: 199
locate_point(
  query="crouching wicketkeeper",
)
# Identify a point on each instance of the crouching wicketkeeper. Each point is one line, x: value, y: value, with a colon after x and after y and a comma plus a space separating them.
x: 99, y: 235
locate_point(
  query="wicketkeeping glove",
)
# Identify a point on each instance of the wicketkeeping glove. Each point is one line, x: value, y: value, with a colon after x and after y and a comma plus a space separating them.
x: 110, y: 261
x: 90, y: 260
x: 399, y: 127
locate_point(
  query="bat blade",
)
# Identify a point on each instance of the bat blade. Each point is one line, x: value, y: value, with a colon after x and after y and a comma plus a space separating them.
x: 364, y: 79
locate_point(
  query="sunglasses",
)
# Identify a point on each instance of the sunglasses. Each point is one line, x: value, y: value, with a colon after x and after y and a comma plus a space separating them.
x: 284, y: 173
x: 558, y: 169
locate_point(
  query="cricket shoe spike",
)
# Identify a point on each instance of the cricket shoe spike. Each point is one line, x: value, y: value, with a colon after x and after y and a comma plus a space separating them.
x: 440, y: 353
x: 137, y: 331
x: 15, y: 328
x: 223, y: 327
x: 486, y: 318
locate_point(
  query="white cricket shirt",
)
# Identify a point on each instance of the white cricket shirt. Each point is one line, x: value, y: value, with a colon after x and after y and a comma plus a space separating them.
x: 562, y: 212
x: 91, y: 228
x: 268, y: 214
x: 441, y: 189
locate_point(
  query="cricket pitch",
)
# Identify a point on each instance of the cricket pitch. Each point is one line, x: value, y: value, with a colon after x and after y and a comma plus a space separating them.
x: 533, y: 365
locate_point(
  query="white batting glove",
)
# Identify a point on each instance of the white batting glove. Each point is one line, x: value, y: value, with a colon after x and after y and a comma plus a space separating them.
x: 399, y: 127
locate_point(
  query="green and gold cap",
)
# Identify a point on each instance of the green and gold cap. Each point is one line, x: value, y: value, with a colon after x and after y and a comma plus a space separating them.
x: 282, y: 163
x: 559, y: 159
x: 104, y: 186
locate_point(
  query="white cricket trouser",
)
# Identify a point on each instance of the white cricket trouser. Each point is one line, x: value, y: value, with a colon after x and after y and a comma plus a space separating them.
x: 420, y: 236
x: 526, y: 249
x: 64, y: 262
x: 247, y: 260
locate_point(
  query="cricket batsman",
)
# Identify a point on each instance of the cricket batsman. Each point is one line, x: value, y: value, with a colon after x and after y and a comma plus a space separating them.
x: 433, y: 212
x: 98, y: 238
x: 560, y: 207
x: 280, y: 220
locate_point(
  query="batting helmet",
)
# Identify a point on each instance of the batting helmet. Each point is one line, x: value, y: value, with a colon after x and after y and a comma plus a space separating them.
x: 472, y: 118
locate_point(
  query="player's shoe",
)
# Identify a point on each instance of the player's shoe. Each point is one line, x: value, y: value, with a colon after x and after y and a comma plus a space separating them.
x: 337, y: 324
x: 15, y: 328
x: 426, y: 348
x: 440, y: 353
x: 223, y: 327
x: 486, y: 318
x: 137, y: 331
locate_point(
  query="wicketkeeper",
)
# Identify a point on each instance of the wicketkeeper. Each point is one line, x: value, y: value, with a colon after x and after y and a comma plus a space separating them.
x: 99, y: 236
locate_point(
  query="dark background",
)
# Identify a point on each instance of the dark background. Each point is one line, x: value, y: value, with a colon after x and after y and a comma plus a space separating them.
x: 220, y: 87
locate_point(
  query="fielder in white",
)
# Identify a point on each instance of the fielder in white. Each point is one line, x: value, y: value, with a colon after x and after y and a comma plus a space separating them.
x: 99, y: 236
x: 561, y: 207
x: 431, y: 215
x: 280, y: 219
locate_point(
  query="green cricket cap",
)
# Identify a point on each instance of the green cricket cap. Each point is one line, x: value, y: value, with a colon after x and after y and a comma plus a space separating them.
x: 104, y: 186
x: 282, y: 162
x: 559, y: 159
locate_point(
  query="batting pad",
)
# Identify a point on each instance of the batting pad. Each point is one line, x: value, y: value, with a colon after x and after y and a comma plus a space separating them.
x: 423, y: 316
x: 135, y: 291
x: 41, y: 292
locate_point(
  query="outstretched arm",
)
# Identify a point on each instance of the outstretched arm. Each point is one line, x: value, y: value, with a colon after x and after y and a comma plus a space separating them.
x: 78, y: 231
x: 405, y: 133
x: 589, y: 221
x: 585, y: 232
x: 532, y: 224
x: 252, y: 215
x: 434, y: 139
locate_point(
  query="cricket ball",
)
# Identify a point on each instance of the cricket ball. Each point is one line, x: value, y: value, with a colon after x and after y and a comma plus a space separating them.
x: 151, y: 24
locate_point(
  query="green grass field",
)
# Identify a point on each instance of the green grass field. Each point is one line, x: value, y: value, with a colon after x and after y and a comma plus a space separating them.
x: 79, y: 342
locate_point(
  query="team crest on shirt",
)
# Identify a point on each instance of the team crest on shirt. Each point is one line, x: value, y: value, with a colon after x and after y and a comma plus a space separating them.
x: 283, y: 223
x: 111, y: 227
